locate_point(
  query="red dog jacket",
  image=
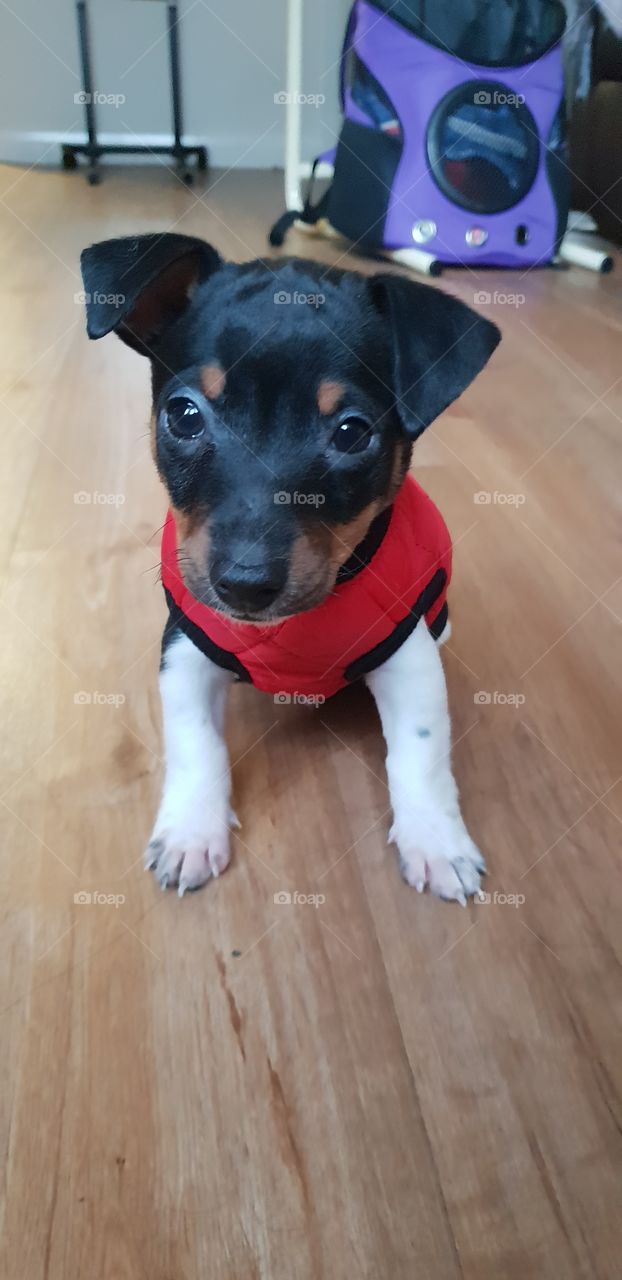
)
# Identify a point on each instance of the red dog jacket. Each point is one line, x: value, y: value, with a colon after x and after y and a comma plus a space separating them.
x: 380, y: 596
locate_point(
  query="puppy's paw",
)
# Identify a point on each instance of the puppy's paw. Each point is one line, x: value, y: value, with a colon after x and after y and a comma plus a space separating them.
x: 187, y: 852
x: 436, y: 850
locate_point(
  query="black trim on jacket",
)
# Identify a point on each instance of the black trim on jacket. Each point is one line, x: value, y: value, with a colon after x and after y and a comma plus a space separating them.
x: 213, y: 651
x: 390, y: 645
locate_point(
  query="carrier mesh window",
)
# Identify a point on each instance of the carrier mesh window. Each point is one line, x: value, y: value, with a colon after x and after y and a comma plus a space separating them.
x: 492, y: 33
x: 483, y: 147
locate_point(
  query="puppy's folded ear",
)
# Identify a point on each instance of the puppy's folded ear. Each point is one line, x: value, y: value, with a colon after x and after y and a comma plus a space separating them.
x: 439, y: 347
x: 138, y: 285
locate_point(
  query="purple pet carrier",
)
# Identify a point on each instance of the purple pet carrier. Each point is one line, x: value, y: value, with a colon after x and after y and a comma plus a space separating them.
x: 453, y: 132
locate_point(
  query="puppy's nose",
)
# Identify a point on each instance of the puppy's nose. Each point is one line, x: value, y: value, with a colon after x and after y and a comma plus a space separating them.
x: 250, y: 588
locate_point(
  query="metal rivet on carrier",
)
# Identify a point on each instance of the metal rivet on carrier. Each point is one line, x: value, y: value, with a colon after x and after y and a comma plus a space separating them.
x: 476, y: 236
x: 424, y: 230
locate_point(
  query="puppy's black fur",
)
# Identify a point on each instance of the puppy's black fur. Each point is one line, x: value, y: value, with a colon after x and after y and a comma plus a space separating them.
x: 286, y: 398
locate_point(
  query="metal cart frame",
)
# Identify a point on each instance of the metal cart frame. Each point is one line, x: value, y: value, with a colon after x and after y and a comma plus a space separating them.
x: 93, y: 149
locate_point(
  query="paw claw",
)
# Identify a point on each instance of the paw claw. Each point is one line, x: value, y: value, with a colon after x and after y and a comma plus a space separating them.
x: 436, y: 850
x: 187, y: 854
x: 154, y: 849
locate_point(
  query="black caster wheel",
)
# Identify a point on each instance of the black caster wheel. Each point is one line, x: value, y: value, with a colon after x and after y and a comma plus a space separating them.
x: 69, y: 159
x: 202, y: 160
x: 182, y: 172
x: 93, y: 178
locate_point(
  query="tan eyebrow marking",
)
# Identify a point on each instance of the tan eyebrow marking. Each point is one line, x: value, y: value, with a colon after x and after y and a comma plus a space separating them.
x: 328, y: 396
x: 213, y: 380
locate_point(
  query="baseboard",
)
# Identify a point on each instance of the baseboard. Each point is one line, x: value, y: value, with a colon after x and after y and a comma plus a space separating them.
x: 43, y: 148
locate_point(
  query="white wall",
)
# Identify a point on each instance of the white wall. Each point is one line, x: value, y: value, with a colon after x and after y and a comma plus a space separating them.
x: 233, y: 54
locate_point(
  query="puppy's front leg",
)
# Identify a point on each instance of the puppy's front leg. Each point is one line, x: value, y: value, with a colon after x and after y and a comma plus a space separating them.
x: 190, y: 840
x: 434, y: 845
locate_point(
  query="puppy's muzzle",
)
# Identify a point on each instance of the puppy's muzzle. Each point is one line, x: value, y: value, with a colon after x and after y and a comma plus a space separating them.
x: 249, y: 589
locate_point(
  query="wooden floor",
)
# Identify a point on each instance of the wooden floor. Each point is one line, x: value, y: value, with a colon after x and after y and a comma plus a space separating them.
x: 381, y: 1086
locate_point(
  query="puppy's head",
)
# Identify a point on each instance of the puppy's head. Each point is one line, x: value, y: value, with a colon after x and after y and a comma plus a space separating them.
x: 286, y: 398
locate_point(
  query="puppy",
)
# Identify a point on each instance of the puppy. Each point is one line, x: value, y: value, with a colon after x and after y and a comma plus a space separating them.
x: 298, y: 553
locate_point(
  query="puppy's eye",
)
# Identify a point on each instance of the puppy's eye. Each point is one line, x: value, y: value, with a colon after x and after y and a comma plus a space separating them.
x: 184, y: 418
x: 352, y: 435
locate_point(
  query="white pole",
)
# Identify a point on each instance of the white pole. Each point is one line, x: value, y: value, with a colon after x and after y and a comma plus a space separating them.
x: 293, y: 197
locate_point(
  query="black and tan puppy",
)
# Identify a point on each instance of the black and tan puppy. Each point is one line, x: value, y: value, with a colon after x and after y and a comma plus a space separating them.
x: 286, y: 399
